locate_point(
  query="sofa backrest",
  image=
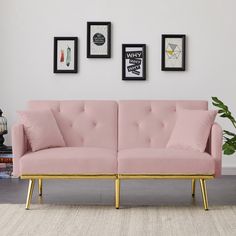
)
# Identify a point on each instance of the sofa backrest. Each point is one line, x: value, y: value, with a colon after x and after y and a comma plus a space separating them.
x: 149, y: 123
x: 84, y: 123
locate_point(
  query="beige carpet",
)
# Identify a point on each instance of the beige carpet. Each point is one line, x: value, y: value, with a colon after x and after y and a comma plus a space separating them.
x: 107, y: 221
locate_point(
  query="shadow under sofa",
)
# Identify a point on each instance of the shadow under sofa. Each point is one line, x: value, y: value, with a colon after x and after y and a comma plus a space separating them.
x: 116, y: 140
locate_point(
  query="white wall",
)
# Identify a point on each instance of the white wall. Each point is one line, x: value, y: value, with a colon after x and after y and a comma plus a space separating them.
x: 27, y: 29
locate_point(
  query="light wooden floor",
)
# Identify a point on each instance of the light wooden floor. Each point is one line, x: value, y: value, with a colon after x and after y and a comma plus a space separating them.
x: 149, y: 207
x: 75, y: 220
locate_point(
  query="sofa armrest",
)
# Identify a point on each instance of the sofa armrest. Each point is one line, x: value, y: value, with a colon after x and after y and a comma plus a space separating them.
x: 215, y: 147
x: 19, y: 146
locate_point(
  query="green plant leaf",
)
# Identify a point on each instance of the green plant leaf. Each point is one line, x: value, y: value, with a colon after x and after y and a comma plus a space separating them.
x: 217, y: 100
x: 224, y: 110
x: 229, y: 151
x: 215, y: 104
x: 228, y: 133
x: 223, y: 115
x: 229, y: 146
x: 221, y: 111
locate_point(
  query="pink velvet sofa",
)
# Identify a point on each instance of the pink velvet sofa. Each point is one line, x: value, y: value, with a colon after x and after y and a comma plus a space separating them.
x: 116, y: 140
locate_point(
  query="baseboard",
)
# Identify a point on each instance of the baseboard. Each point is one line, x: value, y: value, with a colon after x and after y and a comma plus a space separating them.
x: 227, y: 170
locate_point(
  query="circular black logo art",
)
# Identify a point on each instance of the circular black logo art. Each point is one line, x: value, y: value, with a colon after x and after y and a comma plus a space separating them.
x: 99, y: 39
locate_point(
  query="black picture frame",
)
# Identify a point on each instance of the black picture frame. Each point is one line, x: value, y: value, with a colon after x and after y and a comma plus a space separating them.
x: 73, y: 55
x: 140, y: 73
x: 169, y: 57
x: 101, y: 40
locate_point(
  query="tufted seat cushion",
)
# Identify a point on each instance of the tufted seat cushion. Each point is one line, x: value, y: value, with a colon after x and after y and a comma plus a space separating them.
x: 70, y: 160
x: 164, y: 161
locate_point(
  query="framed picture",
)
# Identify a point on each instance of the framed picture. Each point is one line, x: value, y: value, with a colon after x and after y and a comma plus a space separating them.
x: 133, y: 61
x: 65, y: 55
x: 98, y: 39
x: 173, y: 52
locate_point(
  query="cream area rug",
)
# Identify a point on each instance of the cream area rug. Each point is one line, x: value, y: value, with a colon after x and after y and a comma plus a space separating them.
x: 106, y: 221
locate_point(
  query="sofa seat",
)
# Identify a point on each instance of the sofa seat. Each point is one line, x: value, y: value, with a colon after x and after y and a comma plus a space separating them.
x: 69, y: 160
x: 164, y: 161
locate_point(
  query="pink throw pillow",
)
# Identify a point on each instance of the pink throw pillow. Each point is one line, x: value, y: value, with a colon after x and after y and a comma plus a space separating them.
x: 41, y: 129
x: 192, y: 129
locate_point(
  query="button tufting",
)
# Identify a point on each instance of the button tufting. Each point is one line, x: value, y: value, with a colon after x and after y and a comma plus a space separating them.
x: 148, y: 109
x: 94, y: 124
x: 149, y: 140
x: 82, y: 109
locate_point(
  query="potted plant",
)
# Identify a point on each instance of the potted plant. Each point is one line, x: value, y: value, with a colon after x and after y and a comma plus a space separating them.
x: 229, y: 138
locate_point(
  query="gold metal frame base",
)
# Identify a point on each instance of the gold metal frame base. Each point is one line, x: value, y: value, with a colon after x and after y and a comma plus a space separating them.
x: 164, y: 176
x: 40, y: 187
x: 118, y: 178
x: 204, y: 193
x: 74, y: 176
x: 30, y: 193
x: 193, y: 187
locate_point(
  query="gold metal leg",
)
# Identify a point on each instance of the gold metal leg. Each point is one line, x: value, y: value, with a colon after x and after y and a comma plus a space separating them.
x: 204, y: 193
x: 30, y: 193
x: 117, y: 200
x: 40, y: 187
x: 193, y: 187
